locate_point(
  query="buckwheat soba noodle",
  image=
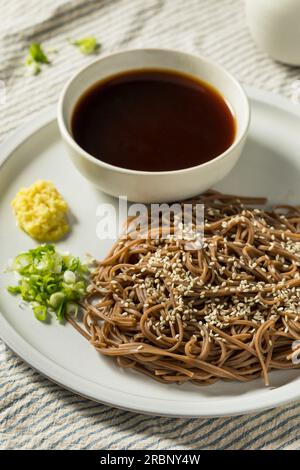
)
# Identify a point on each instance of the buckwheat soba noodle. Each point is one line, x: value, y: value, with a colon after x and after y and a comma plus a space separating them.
x: 229, y: 310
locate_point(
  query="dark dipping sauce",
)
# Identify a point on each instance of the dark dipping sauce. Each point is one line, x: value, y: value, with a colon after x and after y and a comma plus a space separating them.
x: 153, y: 120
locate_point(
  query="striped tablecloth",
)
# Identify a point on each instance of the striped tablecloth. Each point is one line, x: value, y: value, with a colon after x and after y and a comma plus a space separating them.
x: 35, y: 413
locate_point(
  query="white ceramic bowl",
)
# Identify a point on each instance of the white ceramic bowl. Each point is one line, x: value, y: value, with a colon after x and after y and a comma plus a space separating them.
x: 159, y: 186
x: 275, y: 28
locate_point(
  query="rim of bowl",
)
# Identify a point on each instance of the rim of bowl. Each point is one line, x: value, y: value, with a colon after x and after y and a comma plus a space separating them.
x: 68, y: 136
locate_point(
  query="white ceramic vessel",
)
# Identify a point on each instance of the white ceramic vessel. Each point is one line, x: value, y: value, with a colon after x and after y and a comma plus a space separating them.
x: 269, y: 166
x: 163, y: 186
x: 275, y: 26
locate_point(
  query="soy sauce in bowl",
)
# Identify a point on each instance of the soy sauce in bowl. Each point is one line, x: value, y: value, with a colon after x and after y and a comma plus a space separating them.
x: 153, y: 120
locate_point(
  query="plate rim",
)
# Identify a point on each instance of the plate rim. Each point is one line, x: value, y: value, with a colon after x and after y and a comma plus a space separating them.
x: 90, y: 390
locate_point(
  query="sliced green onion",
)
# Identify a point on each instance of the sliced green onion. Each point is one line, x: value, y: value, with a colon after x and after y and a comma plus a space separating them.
x: 72, y: 309
x: 50, y: 281
x: 56, y: 299
x: 37, y: 54
x: 69, y: 277
x: 14, y: 290
x: 35, y: 58
x: 21, y: 262
x: 86, y: 45
x: 60, y: 311
x: 40, y: 312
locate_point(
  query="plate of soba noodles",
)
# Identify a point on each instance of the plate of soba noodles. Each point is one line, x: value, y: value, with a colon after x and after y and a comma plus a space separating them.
x: 103, y: 301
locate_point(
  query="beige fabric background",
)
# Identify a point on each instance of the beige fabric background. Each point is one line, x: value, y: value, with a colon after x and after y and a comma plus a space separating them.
x: 34, y: 413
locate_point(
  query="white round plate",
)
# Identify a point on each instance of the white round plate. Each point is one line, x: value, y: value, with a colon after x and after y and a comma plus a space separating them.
x: 270, y: 165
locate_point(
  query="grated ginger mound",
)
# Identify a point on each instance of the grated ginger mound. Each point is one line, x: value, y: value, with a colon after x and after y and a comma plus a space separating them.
x: 41, y: 211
